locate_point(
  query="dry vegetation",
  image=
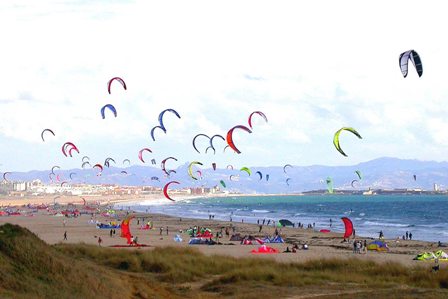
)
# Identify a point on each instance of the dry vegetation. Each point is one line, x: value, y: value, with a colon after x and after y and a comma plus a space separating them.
x: 32, y: 269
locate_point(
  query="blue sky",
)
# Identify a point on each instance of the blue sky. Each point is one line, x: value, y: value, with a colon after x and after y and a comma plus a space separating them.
x: 311, y: 66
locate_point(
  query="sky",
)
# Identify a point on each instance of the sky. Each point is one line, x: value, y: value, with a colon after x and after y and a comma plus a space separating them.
x: 311, y: 66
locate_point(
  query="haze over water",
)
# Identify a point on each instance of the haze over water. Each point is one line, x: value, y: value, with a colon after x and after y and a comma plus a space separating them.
x: 424, y: 216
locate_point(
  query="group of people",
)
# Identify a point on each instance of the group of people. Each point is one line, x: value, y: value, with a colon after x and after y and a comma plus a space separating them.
x: 296, y: 247
x: 359, y: 246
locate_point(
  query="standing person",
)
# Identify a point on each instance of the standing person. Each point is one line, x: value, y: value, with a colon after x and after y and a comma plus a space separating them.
x: 354, y: 245
x: 381, y: 234
x: 167, y: 230
x: 111, y: 232
x: 331, y: 222
x: 354, y: 233
x: 99, y: 241
x: 260, y: 228
x: 410, y: 236
x: 365, y: 246
x: 407, y: 235
x: 65, y: 235
x: 161, y: 230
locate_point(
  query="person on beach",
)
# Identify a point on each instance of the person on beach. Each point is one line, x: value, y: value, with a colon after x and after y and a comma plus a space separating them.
x: 99, y: 241
x: 111, y: 232
x: 410, y: 236
x: 167, y: 230
x: 260, y: 228
x: 161, y: 230
x: 65, y: 235
x: 365, y: 246
x: 407, y: 235
x: 381, y: 234
x: 331, y: 222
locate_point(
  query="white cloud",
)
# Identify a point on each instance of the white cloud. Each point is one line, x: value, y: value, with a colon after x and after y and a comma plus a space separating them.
x: 321, y: 69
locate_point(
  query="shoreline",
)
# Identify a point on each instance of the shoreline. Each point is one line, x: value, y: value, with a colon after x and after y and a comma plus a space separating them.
x: 51, y: 228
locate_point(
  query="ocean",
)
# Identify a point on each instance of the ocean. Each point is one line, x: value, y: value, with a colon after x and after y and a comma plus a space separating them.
x: 425, y: 216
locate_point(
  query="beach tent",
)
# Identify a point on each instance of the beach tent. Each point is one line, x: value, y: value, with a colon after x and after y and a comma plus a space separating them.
x: 325, y: 231
x: 276, y: 239
x: 348, y: 227
x: 441, y: 255
x: 285, y: 222
x: 251, y: 241
x: 378, y: 246
x: 425, y: 256
x: 264, y: 250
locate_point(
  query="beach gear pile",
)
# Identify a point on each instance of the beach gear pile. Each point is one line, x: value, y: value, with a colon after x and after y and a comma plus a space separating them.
x: 263, y: 249
x: 110, y: 225
x: 177, y: 239
x: 431, y: 256
x: 378, y: 245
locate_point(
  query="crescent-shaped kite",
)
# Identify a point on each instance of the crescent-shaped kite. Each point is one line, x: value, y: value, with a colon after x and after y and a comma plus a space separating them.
x: 111, y: 108
x: 161, y: 116
x: 213, y: 137
x: 116, y: 79
x: 230, y: 137
x: 4, y: 176
x: 194, y: 141
x: 259, y: 113
x: 162, y: 165
x: 127, y: 160
x: 85, y: 163
x: 46, y: 130
x: 165, y: 189
x: 190, y: 169
x: 140, y: 153
x: 153, y: 129
x: 70, y: 147
x: 336, y: 138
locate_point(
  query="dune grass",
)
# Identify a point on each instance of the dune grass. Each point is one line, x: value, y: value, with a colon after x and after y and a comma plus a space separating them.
x: 32, y: 269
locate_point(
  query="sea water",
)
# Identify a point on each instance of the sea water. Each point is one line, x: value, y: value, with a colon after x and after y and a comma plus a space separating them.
x: 425, y: 216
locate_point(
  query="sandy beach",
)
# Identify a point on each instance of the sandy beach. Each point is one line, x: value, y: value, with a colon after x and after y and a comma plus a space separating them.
x: 82, y: 229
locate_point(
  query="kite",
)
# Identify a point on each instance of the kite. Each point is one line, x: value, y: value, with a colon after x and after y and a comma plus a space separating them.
x: 246, y: 169
x: 153, y: 129
x: 348, y: 224
x: 230, y: 137
x: 46, y: 130
x: 416, y: 61
x: 161, y: 117
x: 222, y: 183
x: 127, y: 160
x: 111, y: 108
x: 330, y: 185
x: 117, y: 79
x: 194, y: 141
x: 336, y: 138
x: 140, y: 153
x: 259, y: 113
x: 284, y: 167
x: 70, y: 147
x: 190, y: 169
x: 162, y: 165
x: 213, y: 137
x: 165, y: 189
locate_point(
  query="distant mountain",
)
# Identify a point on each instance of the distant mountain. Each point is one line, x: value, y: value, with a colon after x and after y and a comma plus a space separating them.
x: 384, y: 173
